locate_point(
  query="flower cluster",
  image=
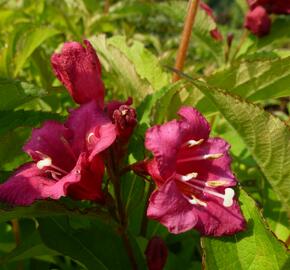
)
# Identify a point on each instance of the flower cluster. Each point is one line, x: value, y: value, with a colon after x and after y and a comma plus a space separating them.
x: 194, y: 182
x: 68, y: 159
x: 258, y: 20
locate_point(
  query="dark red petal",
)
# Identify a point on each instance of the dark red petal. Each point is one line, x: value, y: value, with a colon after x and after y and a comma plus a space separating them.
x: 208, y: 169
x: 164, y: 141
x: 79, y: 69
x: 217, y: 220
x: 51, y: 140
x: 170, y: 208
x: 198, y: 127
x: 258, y: 21
x: 25, y: 186
x: 90, y: 185
x: 91, y: 129
x: 153, y: 170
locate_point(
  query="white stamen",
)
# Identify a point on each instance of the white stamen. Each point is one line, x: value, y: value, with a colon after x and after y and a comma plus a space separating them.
x: 228, y: 197
x: 192, y: 143
x: 215, y: 183
x: 195, y: 200
x: 213, y: 156
x: 46, y: 162
x: 187, y: 177
x: 208, y: 156
x: 124, y: 112
x: 90, y: 137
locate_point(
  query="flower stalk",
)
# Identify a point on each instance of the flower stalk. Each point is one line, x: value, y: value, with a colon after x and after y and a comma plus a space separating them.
x: 185, y: 37
x: 114, y: 175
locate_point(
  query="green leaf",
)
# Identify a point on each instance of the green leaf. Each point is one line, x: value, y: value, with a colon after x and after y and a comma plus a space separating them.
x: 30, y: 247
x: 256, y: 79
x: 31, y: 40
x: 256, y: 248
x: 266, y: 137
x: 144, y: 61
x: 51, y: 208
x: 96, y: 245
x: 202, y: 26
x: 14, y: 93
x: 10, y: 120
x: 123, y: 76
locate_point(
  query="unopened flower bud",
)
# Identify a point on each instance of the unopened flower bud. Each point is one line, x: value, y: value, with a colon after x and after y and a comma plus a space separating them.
x: 258, y: 21
x: 156, y: 253
x: 125, y: 119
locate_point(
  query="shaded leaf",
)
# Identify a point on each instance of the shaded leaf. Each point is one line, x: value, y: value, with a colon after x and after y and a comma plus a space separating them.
x: 96, y: 246
x: 14, y: 93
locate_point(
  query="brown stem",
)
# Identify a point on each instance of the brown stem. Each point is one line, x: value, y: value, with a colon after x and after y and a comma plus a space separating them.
x: 114, y: 174
x: 16, y: 233
x: 144, y: 224
x: 185, y: 37
x: 106, y: 6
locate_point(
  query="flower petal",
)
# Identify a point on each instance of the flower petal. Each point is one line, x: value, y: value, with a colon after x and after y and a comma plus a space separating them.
x: 198, y: 127
x: 59, y: 188
x: 79, y: 69
x: 25, y: 186
x: 208, y: 168
x: 90, y: 185
x: 170, y: 208
x: 92, y: 130
x: 217, y: 220
x: 51, y: 140
x: 164, y: 141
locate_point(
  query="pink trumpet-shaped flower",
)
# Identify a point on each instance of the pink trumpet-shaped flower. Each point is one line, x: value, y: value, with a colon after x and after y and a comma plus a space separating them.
x: 66, y: 160
x: 79, y: 69
x: 193, y: 176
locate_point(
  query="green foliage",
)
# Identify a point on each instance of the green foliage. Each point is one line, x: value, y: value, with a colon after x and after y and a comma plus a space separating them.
x: 256, y: 248
x: 243, y: 90
x: 14, y: 93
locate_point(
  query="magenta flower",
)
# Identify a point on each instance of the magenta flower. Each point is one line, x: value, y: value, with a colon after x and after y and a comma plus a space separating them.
x: 66, y: 159
x: 258, y: 21
x: 79, y: 69
x: 193, y: 176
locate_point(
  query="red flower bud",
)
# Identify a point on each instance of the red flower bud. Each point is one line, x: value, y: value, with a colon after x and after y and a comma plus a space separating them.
x: 125, y: 119
x: 258, y: 21
x: 156, y: 253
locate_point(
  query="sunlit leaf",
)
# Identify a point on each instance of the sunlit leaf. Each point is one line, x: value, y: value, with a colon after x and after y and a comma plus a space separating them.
x: 256, y: 248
